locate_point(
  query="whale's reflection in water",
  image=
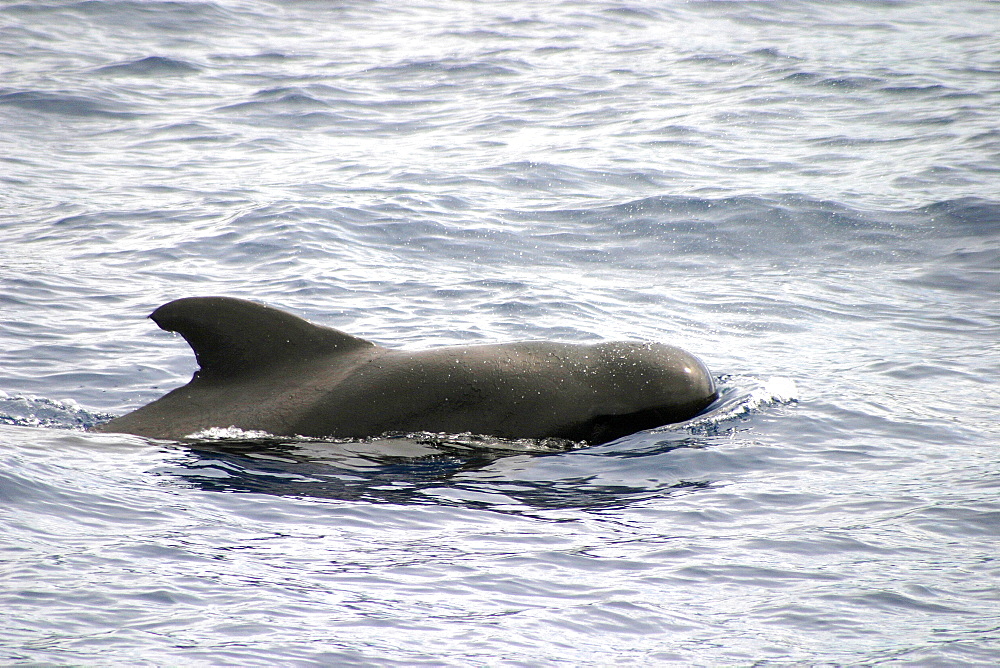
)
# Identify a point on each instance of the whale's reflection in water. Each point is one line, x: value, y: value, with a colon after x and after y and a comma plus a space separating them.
x: 508, y: 476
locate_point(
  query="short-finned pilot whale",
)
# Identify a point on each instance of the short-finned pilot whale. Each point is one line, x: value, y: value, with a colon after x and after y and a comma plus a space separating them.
x: 265, y: 369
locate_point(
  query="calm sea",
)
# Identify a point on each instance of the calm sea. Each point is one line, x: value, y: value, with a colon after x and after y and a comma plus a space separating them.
x: 804, y: 194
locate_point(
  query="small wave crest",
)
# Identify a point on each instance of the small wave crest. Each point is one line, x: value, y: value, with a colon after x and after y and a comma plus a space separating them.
x: 150, y: 66
x: 64, y: 104
x: 771, y: 392
x: 740, y: 396
x: 32, y: 411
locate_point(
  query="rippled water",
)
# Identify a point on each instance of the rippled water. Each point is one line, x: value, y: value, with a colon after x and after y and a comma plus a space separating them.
x: 804, y: 194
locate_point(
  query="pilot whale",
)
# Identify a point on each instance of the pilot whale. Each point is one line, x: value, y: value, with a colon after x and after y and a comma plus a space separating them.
x: 263, y: 369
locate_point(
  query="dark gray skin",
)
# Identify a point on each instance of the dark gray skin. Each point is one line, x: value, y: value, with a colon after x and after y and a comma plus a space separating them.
x: 264, y: 369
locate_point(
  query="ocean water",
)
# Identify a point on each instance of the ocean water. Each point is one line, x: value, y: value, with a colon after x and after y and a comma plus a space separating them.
x: 804, y: 194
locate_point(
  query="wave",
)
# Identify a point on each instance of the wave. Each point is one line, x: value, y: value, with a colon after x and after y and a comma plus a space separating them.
x: 32, y: 411
x: 65, y: 104
x: 150, y: 66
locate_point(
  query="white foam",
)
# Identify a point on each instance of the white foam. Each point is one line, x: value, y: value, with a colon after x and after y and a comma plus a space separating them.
x: 777, y: 390
x: 70, y: 405
x: 226, y: 433
x: 774, y: 391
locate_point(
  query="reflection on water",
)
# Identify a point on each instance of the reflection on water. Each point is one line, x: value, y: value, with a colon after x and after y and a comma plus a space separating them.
x: 442, y: 473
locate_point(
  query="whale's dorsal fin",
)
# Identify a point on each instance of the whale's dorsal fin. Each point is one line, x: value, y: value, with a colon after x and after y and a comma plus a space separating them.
x: 234, y: 337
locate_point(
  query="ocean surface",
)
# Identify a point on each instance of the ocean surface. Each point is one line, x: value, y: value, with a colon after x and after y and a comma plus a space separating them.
x: 806, y: 195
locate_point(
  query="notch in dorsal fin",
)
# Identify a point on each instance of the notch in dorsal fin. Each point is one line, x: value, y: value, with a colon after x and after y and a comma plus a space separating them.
x: 234, y: 337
